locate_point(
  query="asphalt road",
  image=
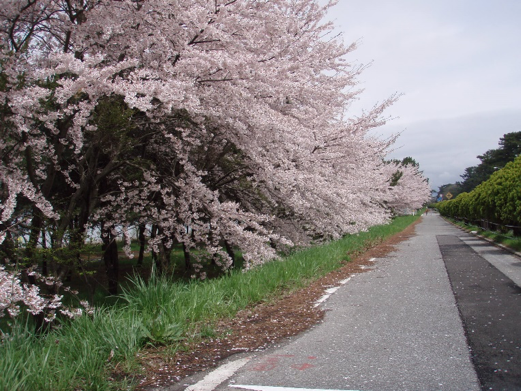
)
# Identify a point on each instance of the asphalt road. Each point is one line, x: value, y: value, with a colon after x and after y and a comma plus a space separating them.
x: 490, y: 307
x: 399, y: 326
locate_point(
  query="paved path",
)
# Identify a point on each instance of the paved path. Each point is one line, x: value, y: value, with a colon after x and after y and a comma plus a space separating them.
x: 396, y: 327
x: 490, y: 307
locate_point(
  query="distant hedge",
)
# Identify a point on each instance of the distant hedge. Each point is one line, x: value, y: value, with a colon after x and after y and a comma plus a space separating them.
x: 497, y: 200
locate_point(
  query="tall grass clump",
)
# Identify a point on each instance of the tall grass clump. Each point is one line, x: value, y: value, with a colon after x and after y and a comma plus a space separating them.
x: 76, y: 356
x: 97, y: 352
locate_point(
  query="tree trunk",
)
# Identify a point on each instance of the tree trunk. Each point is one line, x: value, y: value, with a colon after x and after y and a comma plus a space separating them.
x: 188, y: 262
x: 163, y: 259
x: 7, y: 249
x: 153, y: 234
x: 111, y: 260
x: 142, y: 242
x: 36, y: 228
x: 45, y: 269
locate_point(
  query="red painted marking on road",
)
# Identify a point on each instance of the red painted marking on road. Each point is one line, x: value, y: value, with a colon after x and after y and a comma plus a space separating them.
x: 268, y: 364
x: 302, y: 367
x: 312, y: 357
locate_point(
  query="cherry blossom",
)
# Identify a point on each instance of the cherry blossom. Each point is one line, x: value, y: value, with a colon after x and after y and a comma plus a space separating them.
x: 14, y: 293
x: 411, y: 190
x: 211, y: 123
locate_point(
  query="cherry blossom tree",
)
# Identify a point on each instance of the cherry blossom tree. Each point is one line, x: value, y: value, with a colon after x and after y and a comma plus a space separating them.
x: 215, y: 124
x: 408, y: 189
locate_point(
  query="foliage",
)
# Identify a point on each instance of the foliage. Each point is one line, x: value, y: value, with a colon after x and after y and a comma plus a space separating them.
x: 453, y: 188
x: 497, y: 200
x: 408, y: 189
x: 491, y: 161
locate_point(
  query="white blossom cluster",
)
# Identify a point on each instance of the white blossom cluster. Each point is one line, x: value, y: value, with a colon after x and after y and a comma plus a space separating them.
x: 14, y: 293
x: 205, y: 121
x: 411, y: 190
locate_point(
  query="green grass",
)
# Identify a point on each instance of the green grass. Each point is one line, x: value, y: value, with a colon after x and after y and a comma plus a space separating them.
x: 76, y: 356
x: 85, y: 353
x: 506, y: 239
x: 91, y: 284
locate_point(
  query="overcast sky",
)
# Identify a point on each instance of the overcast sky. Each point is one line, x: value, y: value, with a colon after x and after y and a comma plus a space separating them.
x: 457, y: 64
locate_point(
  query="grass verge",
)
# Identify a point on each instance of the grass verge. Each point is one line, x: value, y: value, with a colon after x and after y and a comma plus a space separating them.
x: 507, y: 240
x: 97, y: 352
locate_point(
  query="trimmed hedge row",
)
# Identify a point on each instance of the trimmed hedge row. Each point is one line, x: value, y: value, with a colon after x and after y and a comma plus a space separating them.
x: 497, y: 200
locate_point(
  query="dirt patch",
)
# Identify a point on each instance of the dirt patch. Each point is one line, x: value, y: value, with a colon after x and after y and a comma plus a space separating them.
x: 258, y: 327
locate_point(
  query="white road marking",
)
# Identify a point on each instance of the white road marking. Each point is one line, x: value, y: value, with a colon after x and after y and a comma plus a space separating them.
x: 330, y: 291
x: 321, y: 300
x: 216, y: 377
x: 265, y: 388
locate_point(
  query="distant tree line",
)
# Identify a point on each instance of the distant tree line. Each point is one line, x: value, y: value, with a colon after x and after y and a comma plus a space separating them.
x: 491, y: 161
x: 495, y: 203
